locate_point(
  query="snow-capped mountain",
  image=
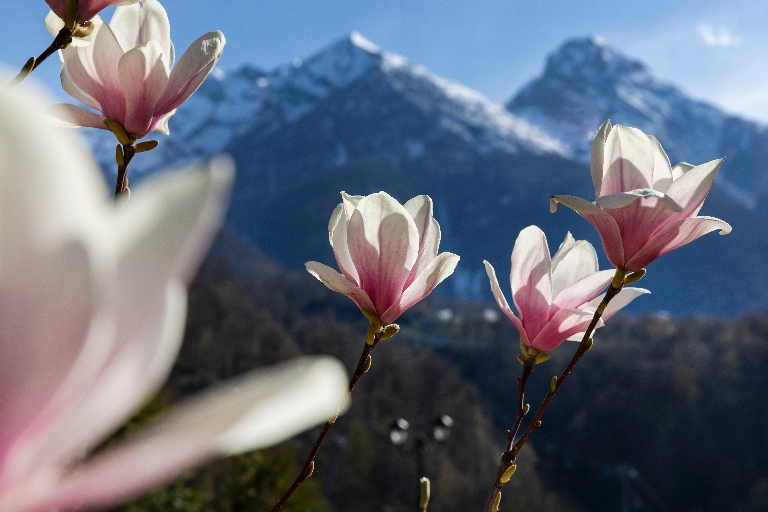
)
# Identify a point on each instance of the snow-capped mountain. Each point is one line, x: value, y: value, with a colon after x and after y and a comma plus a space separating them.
x: 586, y: 82
x: 355, y: 117
x: 421, y: 111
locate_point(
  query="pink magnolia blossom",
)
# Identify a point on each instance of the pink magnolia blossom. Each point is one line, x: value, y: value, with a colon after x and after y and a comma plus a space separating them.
x: 125, y: 73
x: 644, y: 207
x: 92, y: 312
x: 86, y: 9
x: 555, y: 298
x: 387, y: 253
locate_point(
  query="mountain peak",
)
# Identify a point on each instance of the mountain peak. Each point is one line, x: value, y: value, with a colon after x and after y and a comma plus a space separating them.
x: 591, y: 60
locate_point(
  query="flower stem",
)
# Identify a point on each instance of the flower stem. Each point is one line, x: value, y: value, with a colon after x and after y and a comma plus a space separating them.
x: 527, y: 370
x: 128, y: 151
x: 63, y: 39
x: 362, y: 366
x: 509, y: 457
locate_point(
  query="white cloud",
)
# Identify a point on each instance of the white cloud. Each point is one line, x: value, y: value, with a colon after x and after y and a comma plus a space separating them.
x: 717, y: 37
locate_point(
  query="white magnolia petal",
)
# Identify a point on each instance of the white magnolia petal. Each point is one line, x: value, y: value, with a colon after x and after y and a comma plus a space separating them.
x: 583, y: 290
x: 624, y: 297
x: 531, y: 278
x: 71, y: 116
x: 578, y: 261
x: 338, y: 283
x: 435, y: 273
x: 679, y: 169
x: 255, y: 411
x: 337, y: 232
x: 565, y: 246
x: 53, y: 23
x: 193, y: 67
x: 383, y: 243
x: 662, y: 172
x: 597, y: 158
x: 502, y: 302
x: 143, y: 73
x: 73, y: 90
x: 350, y: 203
x: 622, y: 199
x: 161, y: 125
x: 421, y: 209
x: 629, y: 161
x: 135, y: 26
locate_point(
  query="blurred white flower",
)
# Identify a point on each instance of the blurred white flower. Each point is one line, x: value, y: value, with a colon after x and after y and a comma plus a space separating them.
x: 92, y: 311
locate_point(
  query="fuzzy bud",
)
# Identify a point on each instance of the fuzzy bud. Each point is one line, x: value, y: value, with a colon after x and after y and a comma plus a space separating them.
x: 526, y: 409
x: 553, y: 384
x: 119, y: 157
x: 425, y: 492
x: 147, y: 145
x: 389, y: 331
x: 541, y: 358
x: 508, y: 474
x: 634, y: 277
x: 521, y: 360
x: 367, y: 365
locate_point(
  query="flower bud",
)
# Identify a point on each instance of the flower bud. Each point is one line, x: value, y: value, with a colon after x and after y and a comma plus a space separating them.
x: 425, y: 492
x: 147, y: 145
x: 497, y: 502
x: 541, y: 358
x: 508, y: 473
x: 119, y: 131
x: 389, y: 331
x: 526, y: 409
x: 521, y: 360
x: 588, y: 345
x: 310, y: 470
x: 367, y: 365
x: 553, y: 384
x: 634, y: 277
x: 119, y: 157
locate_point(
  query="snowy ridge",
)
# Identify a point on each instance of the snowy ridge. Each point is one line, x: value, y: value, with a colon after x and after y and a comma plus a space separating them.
x: 229, y: 105
x: 586, y: 82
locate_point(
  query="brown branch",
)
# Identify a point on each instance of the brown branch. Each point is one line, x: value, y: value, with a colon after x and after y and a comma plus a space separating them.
x: 362, y: 366
x: 509, y: 457
x: 128, y: 152
x: 527, y: 370
x: 62, y: 40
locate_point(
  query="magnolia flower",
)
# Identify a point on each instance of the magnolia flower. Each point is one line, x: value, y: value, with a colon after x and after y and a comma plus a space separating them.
x: 387, y: 253
x: 644, y: 208
x: 92, y: 311
x: 86, y: 9
x: 555, y: 298
x: 125, y: 73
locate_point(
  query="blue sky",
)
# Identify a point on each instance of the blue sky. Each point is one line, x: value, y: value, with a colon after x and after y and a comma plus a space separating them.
x: 711, y: 50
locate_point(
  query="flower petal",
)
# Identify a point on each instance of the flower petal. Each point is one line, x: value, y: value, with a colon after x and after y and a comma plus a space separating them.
x: 564, y: 324
x: 625, y: 296
x: 143, y: 73
x: 337, y: 232
x: 73, y: 90
x: 676, y: 235
x: 531, y: 279
x: 622, y: 199
x: 72, y: 115
x: 597, y: 158
x: 503, y: 304
x: 679, y: 169
x: 161, y: 123
x: 692, y: 188
x: 383, y: 243
x: 93, y: 70
x: 629, y: 161
x: 605, y: 225
x: 584, y: 290
x: 188, y: 74
x: 662, y: 172
x: 254, y: 411
x: 90, y: 8
x: 570, y: 265
x: 134, y: 26
x: 338, y: 283
x: 440, y: 268
x: 420, y: 208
